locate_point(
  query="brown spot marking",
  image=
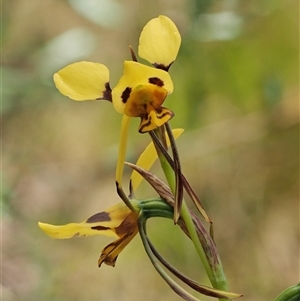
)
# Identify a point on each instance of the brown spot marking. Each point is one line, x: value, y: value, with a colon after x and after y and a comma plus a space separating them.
x: 99, y: 217
x: 156, y: 81
x: 106, y: 94
x: 162, y: 67
x: 125, y: 95
x: 100, y: 228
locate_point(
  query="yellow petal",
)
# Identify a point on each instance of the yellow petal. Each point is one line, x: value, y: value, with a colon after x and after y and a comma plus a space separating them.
x: 135, y: 75
x: 103, y: 223
x: 147, y: 158
x: 84, y: 81
x: 75, y: 230
x: 159, y: 42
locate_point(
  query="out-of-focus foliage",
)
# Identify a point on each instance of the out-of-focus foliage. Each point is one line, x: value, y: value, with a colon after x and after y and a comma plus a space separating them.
x: 236, y: 93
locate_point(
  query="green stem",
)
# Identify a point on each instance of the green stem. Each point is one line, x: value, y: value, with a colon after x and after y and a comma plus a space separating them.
x: 186, y: 217
x: 216, y: 275
x: 160, y: 208
x: 173, y: 285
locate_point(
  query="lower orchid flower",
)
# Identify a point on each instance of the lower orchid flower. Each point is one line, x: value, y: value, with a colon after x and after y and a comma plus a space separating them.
x: 120, y: 222
x: 117, y: 221
x: 123, y: 223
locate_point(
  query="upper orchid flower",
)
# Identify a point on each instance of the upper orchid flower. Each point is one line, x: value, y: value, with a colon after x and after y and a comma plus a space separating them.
x: 142, y: 89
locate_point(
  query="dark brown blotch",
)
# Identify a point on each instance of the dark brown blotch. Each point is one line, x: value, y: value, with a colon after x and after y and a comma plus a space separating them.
x: 99, y: 217
x: 156, y: 81
x: 125, y: 95
x: 162, y: 67
x: 106, y: 94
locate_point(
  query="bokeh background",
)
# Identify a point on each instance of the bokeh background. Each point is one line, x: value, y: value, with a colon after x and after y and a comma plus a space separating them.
x: 236, y: 94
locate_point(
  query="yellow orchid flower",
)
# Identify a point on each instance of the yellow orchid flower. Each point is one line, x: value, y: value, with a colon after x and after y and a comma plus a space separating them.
x: 142, y: 89
x: 117, y: 221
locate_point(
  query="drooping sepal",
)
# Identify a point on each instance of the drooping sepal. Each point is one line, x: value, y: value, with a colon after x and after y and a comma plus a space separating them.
x: 111, y: 252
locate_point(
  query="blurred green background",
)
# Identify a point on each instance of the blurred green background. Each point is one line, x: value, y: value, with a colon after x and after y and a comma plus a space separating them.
x: 236, y: 94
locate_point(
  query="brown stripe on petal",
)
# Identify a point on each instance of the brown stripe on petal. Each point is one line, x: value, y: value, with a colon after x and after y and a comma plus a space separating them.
x: 161, y: 116
x: 145, y: 122
x: 156, y: 81
x: 100, y: 228
x: 99, y: 217
x: 125, y: 95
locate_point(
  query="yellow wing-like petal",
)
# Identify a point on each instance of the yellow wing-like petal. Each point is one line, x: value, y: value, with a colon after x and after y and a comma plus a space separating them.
x: 159, y: 42
x: 75, y: 230
x: 84, y: 81
x: 147, y: 158
x: 102, y: 223
x: 134, y: 76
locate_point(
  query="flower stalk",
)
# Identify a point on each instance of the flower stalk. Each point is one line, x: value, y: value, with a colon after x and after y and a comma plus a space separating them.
x: 159, y: 208
x: 213, y: 269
